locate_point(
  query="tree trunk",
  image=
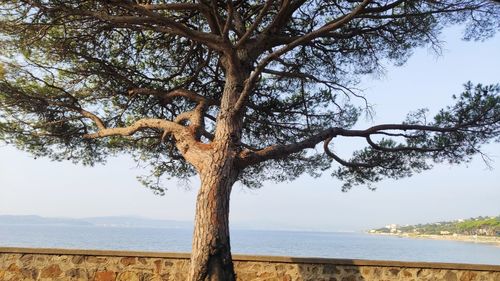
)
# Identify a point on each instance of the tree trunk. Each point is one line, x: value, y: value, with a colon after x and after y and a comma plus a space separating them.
x: 211, y: 252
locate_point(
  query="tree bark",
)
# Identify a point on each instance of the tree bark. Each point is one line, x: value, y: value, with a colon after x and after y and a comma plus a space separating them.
x: 211, y: 251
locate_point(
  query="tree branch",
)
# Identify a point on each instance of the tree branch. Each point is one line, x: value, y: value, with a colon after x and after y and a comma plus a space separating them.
x: 250, y: 82
x: 255, y: 24
x: 248, y: 157
x: 400, y: 148
x: 166, y: 97
x: 167, y: 126
x: 342, y: 161
x: 150, y: 19
x: 174, y: 7
x: 285, y: 12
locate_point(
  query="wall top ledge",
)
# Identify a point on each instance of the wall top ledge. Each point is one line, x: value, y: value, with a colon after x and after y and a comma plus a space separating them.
x: 252, y: 258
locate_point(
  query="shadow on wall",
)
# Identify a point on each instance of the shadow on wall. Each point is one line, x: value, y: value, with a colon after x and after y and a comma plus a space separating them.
x: 295, y: 269
x: 348, y: 271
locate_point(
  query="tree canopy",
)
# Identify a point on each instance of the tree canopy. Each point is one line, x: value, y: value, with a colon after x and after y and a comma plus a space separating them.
x: 231, y: 90
x: 82, y: 80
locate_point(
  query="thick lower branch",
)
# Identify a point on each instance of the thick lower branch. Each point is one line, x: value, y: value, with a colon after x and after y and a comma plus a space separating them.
x: 248, y: 157
x: 185, y: 140
x: 141, y: 124
x: 195, y: 117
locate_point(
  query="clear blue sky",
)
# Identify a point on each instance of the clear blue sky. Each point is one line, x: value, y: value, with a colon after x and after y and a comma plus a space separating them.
x: 53, y: 189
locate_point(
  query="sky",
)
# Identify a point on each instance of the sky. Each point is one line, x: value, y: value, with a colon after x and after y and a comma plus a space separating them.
x: 427, y: 80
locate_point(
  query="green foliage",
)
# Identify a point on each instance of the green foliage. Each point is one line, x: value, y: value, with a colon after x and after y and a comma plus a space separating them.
x: 470, y: 225
x: 486, y: 226
x: 476, y: 112
x: 60, y: 57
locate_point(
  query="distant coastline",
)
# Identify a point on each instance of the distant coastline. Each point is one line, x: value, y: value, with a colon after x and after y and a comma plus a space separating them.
x: 475, y: 230
x: 462, y: 238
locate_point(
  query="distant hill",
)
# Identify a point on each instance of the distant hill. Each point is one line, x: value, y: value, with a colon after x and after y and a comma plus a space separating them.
x: 131, y: 221
x: 94, y: 221
x: 137, y: 222
x: 482, y: 226
x: 37, y: 220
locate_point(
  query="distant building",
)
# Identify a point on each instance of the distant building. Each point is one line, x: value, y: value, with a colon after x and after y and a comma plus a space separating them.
x: 391, y: 226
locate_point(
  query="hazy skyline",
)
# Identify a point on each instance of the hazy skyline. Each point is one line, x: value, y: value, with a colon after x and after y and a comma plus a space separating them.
x: 61, y: 189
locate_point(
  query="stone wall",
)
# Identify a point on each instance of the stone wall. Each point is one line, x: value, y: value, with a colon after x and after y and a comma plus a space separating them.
x: 57, y: 264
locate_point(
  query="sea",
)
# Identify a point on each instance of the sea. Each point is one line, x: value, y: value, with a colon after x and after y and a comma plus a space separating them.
x: 345, y: 245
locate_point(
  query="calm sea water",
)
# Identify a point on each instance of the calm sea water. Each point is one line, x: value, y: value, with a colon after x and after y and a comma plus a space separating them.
x: 284, y: 243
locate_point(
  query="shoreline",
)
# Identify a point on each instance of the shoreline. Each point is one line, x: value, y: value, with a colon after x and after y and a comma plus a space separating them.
x: 461, y: 238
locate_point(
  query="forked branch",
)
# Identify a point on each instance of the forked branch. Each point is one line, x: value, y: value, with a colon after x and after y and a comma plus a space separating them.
x: 248, y: 157
x: 330, y: 26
